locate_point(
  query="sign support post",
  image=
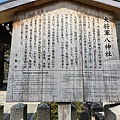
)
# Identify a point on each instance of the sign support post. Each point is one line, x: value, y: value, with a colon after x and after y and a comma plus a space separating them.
x: 64, y: 111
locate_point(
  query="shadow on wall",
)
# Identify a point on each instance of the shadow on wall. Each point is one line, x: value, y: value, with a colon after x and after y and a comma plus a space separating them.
x: 118, y: 34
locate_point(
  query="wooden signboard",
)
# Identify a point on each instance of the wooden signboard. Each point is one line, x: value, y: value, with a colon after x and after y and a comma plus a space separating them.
x: 64, y: 52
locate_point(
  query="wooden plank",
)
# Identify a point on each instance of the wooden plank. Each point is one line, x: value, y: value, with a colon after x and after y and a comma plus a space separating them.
x: 63, y: 53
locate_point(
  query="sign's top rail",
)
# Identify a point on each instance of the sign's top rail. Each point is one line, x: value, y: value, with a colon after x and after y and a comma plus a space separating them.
x: 5, y: 5
x: 6, y: 1
x: 8, y: 4
x: 9, y: 7
x: 113, y: 3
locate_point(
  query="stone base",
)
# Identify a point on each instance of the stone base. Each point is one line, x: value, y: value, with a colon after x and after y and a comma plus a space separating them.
x: 43, y: 112
x: 93, y: 108
x: 112, y: 112
x: 99, y: 116
x: 18, y: 112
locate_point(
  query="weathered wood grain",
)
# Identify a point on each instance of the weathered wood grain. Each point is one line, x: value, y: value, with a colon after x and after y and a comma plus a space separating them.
x: 64, y: 111
x: 64, y: 52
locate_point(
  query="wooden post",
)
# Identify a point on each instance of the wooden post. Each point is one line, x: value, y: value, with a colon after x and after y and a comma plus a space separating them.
x: 64, y: 111
x: 1, y: 67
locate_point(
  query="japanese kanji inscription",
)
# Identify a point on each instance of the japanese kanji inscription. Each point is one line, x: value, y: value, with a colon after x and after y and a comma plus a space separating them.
x: 64, y: 52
